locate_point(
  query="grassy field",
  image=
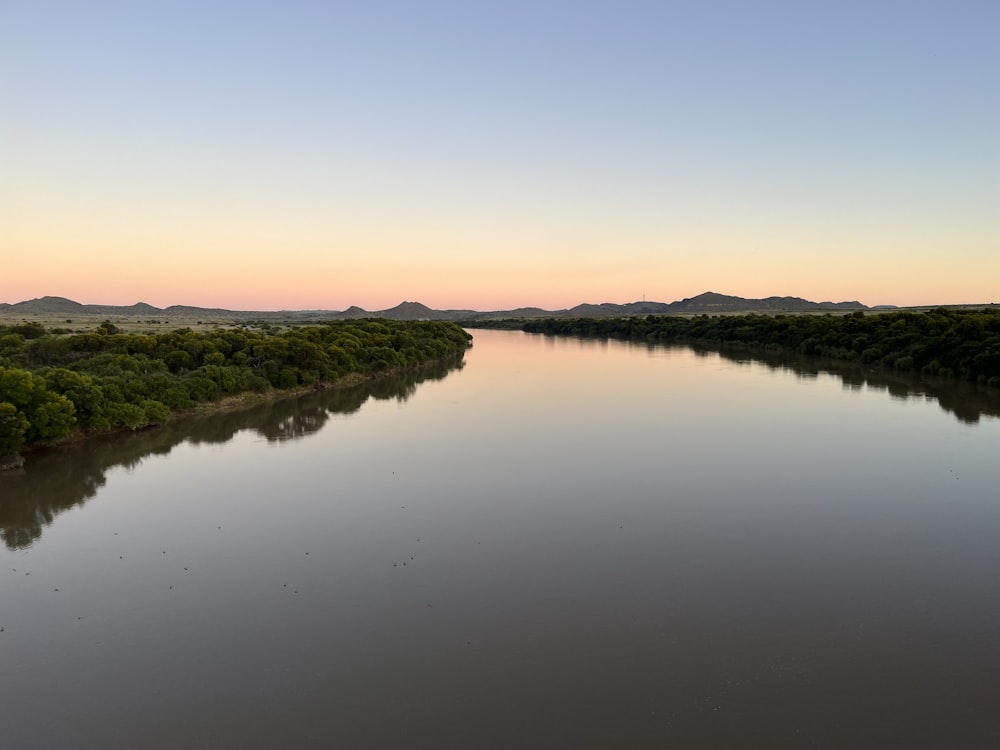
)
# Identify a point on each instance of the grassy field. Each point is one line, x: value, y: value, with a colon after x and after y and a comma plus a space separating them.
x: 80, y: 323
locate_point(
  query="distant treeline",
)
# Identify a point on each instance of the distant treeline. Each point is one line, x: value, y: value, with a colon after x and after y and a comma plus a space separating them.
x: 962, y: 344
x: 52, y: 383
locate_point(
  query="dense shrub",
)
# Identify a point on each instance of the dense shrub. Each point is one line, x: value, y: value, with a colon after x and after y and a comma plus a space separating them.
x: 944, y: 342
x: 52, y: 384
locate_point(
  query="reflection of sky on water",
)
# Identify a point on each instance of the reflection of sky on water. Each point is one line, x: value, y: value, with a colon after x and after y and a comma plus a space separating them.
x: 57, y: 479
x: 615, y: 545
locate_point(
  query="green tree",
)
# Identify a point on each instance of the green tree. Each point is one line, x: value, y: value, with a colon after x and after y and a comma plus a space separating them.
x: 13, y: 427
x: 49, y: 415
x: 87, y: 396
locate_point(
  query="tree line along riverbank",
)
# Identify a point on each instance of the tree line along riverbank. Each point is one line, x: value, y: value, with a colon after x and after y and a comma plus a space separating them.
x: 962, y: 344
x: 54, y: 383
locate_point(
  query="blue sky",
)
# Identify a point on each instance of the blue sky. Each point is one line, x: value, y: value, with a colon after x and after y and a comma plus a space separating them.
x: 274, y: 155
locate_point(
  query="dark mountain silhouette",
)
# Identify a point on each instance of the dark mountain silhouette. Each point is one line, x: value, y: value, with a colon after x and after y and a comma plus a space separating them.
x: 48, y: 305
x: 714, y: 302
x: 354, y: 312
x: 417, y: 311
x: 708, y: 303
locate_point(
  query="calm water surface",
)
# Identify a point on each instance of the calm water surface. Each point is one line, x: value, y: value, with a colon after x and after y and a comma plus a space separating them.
x: 562, y: 544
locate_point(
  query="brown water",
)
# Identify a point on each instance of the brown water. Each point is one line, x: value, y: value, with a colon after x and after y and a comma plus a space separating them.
x: 561, y: 544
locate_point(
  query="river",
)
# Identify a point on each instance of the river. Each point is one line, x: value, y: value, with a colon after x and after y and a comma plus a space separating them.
x: 559, y: 544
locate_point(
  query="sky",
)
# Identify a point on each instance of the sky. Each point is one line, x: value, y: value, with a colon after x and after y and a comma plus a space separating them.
x: 492, y: 155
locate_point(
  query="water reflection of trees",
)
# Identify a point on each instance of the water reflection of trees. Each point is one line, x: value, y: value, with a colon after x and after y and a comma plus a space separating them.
x: 58, y: 479
x: 967, y: 401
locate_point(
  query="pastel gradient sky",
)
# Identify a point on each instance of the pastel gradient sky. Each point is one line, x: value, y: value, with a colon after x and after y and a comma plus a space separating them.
x: 304, y: 155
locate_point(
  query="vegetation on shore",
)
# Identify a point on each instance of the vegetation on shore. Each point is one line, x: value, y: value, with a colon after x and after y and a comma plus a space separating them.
x: 52, y: 384
x: 962, y: 344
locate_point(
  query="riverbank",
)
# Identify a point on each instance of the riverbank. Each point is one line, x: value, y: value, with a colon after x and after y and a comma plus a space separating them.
x: 55, y: 387
x: 948, y: 343
x: 226, y: 404
x: 11, y: 461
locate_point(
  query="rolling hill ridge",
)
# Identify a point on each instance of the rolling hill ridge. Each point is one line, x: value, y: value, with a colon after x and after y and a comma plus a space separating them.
x: 708, y: 302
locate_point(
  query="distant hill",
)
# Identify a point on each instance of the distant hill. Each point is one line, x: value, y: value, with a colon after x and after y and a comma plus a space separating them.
x: 714, y: 302
x: 47, y: 305
x: 354, y: 312
x: 63, y: 306
x: 707, y: 303
x: 416, y: 311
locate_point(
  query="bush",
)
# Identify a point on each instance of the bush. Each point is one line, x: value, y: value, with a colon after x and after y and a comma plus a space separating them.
x: 13, y: 428
x: 50, y: 384
x: 871, y: 354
